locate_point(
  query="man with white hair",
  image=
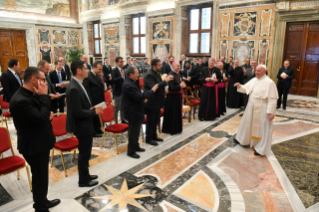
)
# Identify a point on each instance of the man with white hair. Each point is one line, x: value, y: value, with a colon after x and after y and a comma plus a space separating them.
x: 255, y: 128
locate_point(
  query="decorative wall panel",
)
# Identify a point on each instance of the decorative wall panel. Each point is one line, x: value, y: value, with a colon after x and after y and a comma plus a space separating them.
x: 265, y: 22
x: 111, y: 42
x: 73, y: 37
x: 161, y: 50
x: 112, y: 51
x: 263, y: 51
x: 223, y: 49
x: 242, y: 50
x: 161, y: 30
x: 90, y: 41
x: 224, y: 24
x: 44, y: 36
x: 58, y: 52
x: 45, y: 53
x: 245, y: 23
x: 111, y: 35
x: 59, y: 37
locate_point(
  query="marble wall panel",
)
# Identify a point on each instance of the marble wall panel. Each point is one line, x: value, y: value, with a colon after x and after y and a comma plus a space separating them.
x: 265, y: 22
x: 45, y: 53
x: 128, y: 39
x: 90, y: 41
x: 263, y: 51
x: 58, y: 52
x: 245, y: 23
x: 44, y: 36
x: 161, y: 30
x: 223, y: 48
x: 224, y: 24
x: 161, y: 50
x: 111, y: 35
x: 243, y: 50
x: 111, y: 42
x: 59, y: 37
x: 73, y: 37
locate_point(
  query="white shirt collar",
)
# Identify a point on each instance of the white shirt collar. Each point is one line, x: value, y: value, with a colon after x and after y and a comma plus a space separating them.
x: 93, y: 72
x: 263, y: 77
x: 58, y: 71
x: 119, y: 68
x: 79, y: 81
x: 13, y: 72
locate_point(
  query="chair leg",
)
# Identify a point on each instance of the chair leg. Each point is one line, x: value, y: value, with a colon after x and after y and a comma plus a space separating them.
x: 189, y: 116
x: 194, y: 111
x: 2, y: 155
x: 52, y: 155
x: 74, y: 154
x: 28, y: 173
x: 63, y: 164
x: 142, y: 134
x: 102, y: 141
x: 115, y: 140
x: 18, y: 174
x: 5, y: 119
x: 2, y: 120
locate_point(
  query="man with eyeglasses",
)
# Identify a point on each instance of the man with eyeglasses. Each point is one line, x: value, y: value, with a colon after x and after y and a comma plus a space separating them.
x: 58, y: 78
x: 10, y: 80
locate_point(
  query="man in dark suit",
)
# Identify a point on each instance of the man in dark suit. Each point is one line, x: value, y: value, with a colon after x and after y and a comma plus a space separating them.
x: 95, y: 88
x: 145, y: 65
x: 186, y: 74
x: 205, y: 62
x: 80, y: 120
x: 66, y: 68
x: 285, y: 76
x: 107, y: 71
x: 118, y: 76
x: 45, y: 67
x: 194, y: 62
x: 128, y: 59
x: 11, y: 80
x: 57, y: 77
x: 133, y: 102
x: 183, y: 63
x: 156, y: 102
x: 169, y: 68
x: 86, y: 60
x: 30, y: 109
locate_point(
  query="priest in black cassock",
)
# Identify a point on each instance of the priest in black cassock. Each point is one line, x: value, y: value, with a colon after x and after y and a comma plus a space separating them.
x: 235, y: 99
x: 173, y: 119
x: 208, y: 107
x: 222, y: 89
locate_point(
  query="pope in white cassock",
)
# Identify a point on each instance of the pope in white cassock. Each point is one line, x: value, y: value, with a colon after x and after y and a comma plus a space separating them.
x: 255, y: 128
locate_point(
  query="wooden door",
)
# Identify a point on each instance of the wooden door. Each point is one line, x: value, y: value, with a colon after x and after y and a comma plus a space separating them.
x: 13, y: 46
x: 302, y: 50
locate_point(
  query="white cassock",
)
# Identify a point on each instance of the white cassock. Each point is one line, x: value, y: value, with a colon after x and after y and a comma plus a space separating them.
x: 255, y: 129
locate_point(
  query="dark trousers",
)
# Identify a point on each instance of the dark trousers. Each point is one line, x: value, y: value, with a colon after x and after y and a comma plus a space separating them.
x: 85, y: 149
x: 151, y: 123
x: 97, y: 124
x: 134, y: 128
x: 61, y: 104
x: 39, y: 165
x: 54, y: 105
x: 282, y: 91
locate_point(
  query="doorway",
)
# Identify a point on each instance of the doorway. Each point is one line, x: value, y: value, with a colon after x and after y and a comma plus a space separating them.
x: 13, y: 46
x: 302, y: 50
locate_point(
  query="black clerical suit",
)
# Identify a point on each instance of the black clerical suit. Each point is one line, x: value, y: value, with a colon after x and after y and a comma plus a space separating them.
x: 51, y: 90
x: 107, y: 71
x: 154, y: 103
x: 67, y: 71
x: 88, y: 66
x: 234, y: 98
x: 55, y: 80
x: 80, y: 121
x: 117, y: 80
x: 283, y: 85
x: 95, y: 88
x: 31, y: 118
x: 183, y: 66
x: 10, y: 84
x: 133, y: 102
x: 168, y: 69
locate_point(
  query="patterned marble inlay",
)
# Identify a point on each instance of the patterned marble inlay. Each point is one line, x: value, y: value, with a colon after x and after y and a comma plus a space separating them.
x: 4, y: 196
x: 172, y: 165
x: 69, y: 160
x: 299, y: 159
x: 265, y: 22
x: 245, y: 23
x: 224, y: 26
x: 263, y: 51
x: 230, y: 126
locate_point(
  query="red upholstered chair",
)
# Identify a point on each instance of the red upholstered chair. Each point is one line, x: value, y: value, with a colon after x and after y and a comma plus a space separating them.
x: 65, y: 145
x: 4, y: 106
x: 108, y: 97
x: 141, y: 82
x: 12, y: 163
x: 114, y: 129
x: 191, y: 101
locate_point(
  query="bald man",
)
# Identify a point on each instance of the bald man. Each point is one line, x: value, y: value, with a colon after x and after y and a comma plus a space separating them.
x: 86, y: 60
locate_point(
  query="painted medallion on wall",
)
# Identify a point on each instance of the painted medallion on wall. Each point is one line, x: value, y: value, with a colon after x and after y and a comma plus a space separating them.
x: 245, y: 24
x: 242, y: 50
x: 161, y: 30
x: 161, y: 51
x: 112, y: 35
x: 45, y: 53
x: 58, y: 52
x: 44, y: 36
x: 73, y: 37
x: 59, y: 37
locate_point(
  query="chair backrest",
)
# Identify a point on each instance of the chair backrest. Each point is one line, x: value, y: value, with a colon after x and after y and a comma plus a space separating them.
x: 108, y: 114
x: 197, y: 89
x: 59, y: 124
x: 108, y: 97
x: 4, y: 105
x: 5, y: 142
x: 141, y: 82
x: 188, y: 90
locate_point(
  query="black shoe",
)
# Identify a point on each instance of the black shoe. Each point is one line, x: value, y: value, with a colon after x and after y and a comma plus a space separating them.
x: 277, y: 108
x: 284, y: 108
x: 237, y: 142
x: 256, y: 153
x: 140, y: 150
x: 154, y: 143
x: 97, y: 135
x: 93, y: 177
x: 158, y: 139
x: 99, y: 132
x: 89, y: 183
x: 136, y: 156
x: 124, y: 122
x: 53, y: 203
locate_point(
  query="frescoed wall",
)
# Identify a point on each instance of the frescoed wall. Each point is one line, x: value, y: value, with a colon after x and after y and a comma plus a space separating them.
x: 111, y: 42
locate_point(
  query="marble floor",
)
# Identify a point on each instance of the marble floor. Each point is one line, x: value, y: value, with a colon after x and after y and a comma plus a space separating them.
x: 201, y: 169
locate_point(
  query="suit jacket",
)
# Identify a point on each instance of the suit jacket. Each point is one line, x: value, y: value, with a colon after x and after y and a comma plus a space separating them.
x: 207, y: 74
x: 195, y: 73
x: 133, y: 101
x: 51, y: 89
x: 156, y: 101
x: 186, y: 73
x: 31, y: 118
x: 168, y: 69
x: 117, y: 80
x: 181, y: 63
x: 126, y: 66
x: 67, y: 72
x: 291, y: 75
x: 55, y: 80
x: 205, y: 63
x: 95, y: 88
x: 79, y: 116
x: 10, y: 85
x: 249, y: 74
x: 107, y: 71
x: 88, y: 66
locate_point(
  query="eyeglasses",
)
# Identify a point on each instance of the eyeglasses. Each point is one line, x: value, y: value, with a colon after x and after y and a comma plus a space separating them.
x: 41, y: 79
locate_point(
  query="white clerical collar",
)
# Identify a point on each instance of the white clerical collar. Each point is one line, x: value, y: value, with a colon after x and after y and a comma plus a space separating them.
x: 93, y: 72
x: 76, y: 79
x: 263, y: 77
x: 119, y: 68
x: 13, y: 72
